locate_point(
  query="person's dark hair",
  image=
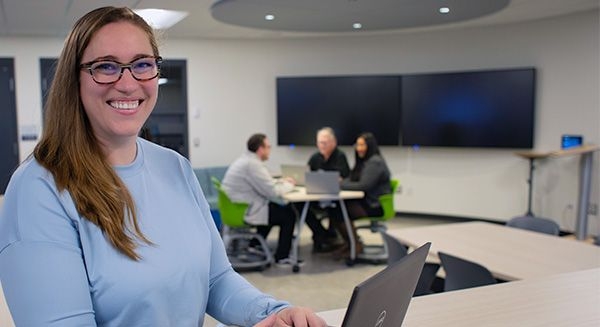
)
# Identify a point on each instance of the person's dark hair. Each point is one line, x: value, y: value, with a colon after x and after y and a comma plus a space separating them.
x: 69, y: 149
x: 256, y: 141
x: 372, y: 149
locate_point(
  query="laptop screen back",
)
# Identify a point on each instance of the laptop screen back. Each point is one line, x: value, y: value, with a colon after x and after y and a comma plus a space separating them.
x: 294, y: 171
x: 383, y: 299
x: 322, y: 182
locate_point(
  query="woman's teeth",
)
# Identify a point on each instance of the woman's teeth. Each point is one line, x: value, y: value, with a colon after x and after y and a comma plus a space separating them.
x: 124, y: 104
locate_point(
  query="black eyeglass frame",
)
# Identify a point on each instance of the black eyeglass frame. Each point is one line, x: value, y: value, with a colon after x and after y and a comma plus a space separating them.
x: 88, y: 66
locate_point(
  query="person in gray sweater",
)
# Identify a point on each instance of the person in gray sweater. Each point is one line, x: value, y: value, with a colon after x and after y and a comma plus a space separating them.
x: 248, y: 180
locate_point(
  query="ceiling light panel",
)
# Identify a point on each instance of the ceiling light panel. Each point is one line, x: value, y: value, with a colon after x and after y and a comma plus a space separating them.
x: 161, y: 18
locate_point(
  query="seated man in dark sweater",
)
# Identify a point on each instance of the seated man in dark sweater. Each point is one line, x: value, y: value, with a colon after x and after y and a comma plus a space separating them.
x: 328, y: 158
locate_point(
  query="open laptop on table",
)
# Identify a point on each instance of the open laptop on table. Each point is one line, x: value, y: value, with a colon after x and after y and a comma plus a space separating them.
x: 294, y: 171
x: 383, y: 299
x: 322, y: 182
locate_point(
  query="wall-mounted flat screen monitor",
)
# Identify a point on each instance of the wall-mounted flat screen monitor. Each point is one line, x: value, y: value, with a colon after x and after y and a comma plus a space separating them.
x: 349, y: 104
x: 492, y: 108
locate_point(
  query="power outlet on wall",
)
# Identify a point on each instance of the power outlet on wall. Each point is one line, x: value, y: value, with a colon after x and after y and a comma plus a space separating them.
x: 593, y: 209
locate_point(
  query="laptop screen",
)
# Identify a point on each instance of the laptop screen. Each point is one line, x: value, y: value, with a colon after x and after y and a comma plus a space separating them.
x: 383, y: 299
x: 322, y: 182
x: 294, y: 171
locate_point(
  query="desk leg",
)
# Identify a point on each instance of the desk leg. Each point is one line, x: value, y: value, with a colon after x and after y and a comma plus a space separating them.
x: 296, y: 243
x: 530, y: 190
x: 585, y: 179
x: 349, y: 230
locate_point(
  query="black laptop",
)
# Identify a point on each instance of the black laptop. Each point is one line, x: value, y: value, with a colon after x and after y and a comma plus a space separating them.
x: 383, y: 299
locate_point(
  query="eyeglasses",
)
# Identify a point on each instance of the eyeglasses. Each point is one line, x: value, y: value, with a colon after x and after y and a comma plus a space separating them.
x: 108, y: 71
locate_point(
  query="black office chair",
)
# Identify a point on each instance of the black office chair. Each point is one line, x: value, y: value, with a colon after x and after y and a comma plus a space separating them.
x: 461, y: 273
x: 397, y: 251
x: 536, y: 224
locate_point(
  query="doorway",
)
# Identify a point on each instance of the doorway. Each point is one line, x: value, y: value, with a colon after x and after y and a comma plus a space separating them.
x: 9, y: 144
x: 168, y: 123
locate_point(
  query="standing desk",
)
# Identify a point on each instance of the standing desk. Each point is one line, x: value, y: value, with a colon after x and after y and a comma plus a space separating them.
x: 509, y: 253
x: 569, y: 299
x: 299, y: 195
x: 585, y: 180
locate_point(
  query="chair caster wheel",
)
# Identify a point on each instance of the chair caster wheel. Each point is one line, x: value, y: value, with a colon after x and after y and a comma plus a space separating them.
x: 350, y: 262
x: 296, y: 268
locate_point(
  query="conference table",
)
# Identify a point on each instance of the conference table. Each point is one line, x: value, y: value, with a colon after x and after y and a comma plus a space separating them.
x: 509, y: 253
x: 299, y: 195
x: 568, y: 299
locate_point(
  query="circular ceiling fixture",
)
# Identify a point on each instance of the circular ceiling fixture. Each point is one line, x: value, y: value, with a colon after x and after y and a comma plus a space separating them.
x: 339, y: 15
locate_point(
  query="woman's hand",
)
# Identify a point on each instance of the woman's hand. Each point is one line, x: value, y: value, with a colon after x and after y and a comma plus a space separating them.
x: 293, y: 317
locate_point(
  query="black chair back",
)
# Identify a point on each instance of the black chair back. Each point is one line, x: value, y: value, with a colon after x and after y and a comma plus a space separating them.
x: 397, y: 251
x: 536, y: 224
x: 461, y: 273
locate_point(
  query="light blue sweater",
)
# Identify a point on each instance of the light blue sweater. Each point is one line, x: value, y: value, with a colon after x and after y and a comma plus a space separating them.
x: 58, y: 269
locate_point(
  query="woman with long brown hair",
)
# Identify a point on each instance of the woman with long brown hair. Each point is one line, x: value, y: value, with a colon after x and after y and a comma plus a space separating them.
x: 101, y: 227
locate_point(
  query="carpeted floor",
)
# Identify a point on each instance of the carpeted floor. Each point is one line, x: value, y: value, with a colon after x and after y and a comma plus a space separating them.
x: 322, y: 283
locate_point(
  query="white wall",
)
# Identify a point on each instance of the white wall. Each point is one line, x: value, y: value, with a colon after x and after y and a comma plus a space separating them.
x: 232, y: 95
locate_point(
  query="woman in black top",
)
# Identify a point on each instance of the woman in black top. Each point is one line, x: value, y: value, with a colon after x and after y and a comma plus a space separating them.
x: 371, y: 175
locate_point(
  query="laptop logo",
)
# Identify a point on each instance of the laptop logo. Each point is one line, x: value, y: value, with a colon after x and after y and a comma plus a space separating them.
x: 379, y: 322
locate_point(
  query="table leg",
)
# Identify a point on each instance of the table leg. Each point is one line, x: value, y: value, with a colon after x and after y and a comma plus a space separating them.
x: 349, y: 230
x: 530, y: 190
x: 296, y: 242
x: 585, y: 178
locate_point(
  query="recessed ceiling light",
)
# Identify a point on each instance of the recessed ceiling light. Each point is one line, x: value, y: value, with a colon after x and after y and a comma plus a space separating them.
x: 269, y: 17
x: 357, y: 26
x: 444, y: 10
x: 161, y: 18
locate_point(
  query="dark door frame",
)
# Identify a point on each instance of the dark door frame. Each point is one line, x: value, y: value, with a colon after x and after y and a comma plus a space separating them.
x: 9, y: 138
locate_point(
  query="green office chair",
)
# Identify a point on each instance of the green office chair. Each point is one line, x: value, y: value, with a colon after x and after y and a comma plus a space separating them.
x: 378, y: 253
x: 237, y: 235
